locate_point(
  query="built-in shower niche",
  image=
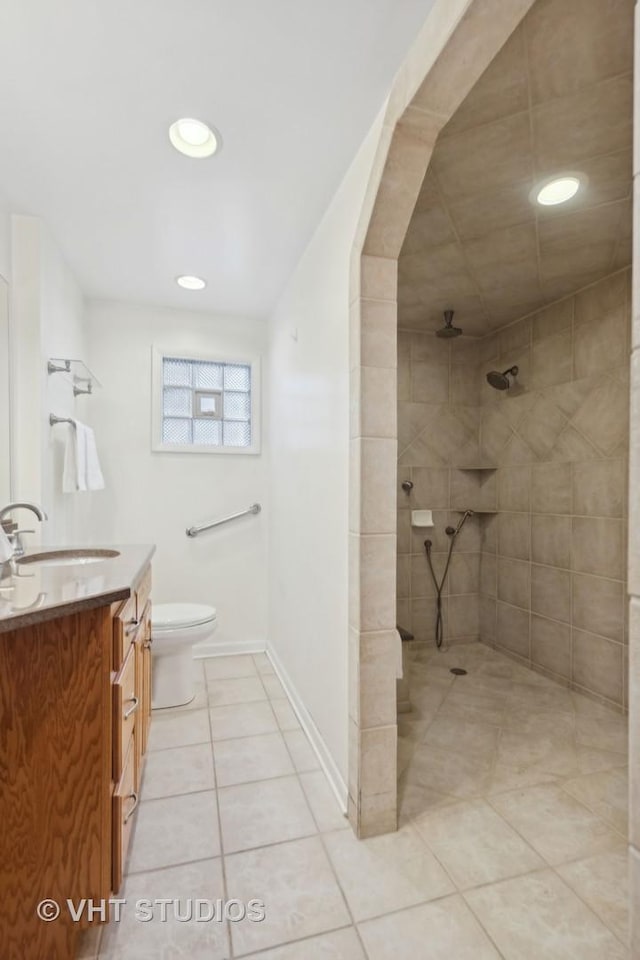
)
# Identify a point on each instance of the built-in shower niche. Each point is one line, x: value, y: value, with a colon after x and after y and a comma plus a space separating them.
x: 474, y: 487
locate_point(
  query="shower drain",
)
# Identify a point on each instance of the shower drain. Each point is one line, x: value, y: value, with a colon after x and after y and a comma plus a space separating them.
x: 459, y: 672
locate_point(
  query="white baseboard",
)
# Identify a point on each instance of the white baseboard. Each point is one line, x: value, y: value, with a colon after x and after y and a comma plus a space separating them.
x: 226, y: 648
x: 327, y: 762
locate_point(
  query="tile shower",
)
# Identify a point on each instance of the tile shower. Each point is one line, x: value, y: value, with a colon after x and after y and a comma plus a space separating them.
x: 539, y: 572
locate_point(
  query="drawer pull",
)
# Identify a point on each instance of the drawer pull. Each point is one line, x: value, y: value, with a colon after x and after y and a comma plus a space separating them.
x: 131, y: 627
x: 132, y: 796
x: 135, y: 703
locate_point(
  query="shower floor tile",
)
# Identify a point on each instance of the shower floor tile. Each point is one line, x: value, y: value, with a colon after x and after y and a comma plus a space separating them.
x: 548, y: 819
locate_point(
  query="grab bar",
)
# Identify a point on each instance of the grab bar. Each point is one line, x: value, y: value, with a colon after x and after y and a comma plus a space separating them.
x: 194, y: 531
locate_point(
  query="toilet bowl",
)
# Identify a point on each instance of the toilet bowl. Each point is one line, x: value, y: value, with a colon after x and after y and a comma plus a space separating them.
x: 175, y: 628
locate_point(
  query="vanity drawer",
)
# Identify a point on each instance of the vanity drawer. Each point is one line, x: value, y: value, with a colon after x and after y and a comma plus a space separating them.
x: 143, y: 591
x: 125, y: 628
x: 126, y: 701
x: 125, y: 801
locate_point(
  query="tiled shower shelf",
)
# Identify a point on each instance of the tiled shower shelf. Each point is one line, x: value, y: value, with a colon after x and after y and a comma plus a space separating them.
x: 488, y: 513
x: 477, y: 466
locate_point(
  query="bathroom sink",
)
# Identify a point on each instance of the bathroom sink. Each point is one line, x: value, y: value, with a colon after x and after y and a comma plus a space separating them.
x: 67, y: 558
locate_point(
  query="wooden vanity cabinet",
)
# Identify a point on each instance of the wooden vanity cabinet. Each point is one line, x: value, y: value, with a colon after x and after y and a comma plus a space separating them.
x: 75, y: 701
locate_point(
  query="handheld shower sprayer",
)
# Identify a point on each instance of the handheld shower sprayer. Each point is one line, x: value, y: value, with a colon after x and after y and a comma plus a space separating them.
x: 452, y: 533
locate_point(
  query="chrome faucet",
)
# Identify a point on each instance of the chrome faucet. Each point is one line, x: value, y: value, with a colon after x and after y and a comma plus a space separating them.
x: 14, y: 535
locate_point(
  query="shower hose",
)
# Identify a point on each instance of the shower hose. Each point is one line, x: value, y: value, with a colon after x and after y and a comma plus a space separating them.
x: 439, y: 586
x: 452, y: 533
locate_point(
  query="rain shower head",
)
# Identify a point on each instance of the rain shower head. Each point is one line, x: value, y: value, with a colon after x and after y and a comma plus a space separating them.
x: 448, y: 330
x: 500, y: 381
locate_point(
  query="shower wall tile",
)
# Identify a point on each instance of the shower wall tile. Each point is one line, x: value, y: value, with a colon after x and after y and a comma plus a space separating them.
x: 514, y: 535
x: 551, y: 592
x: 514, y: 488
x: 512, y: 629
x: 551, y: 645
x: 599, y: 606
x: 514, y: 582
x: 598, y: 664
x: 551, y: 540
x: 464, y: 573
x: 599, y: 488
x: 597, y: 546
x: 551, y: 488
x: 463, y: 617
x: 546, y: 575
x: 559, y: 438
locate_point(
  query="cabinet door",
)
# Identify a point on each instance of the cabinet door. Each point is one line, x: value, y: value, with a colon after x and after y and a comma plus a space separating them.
x: 125, y: 801
x: 126, y: 708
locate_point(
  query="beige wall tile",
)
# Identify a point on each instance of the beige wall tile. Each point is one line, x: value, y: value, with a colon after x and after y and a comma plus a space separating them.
x: 514, y: 488
x: 551, y: 540
x: 597, y: 547
x: 378, y: 331
x: 378, y: 760
x: 379, y: 278
x: 377, y: 670
x: 377, y: 556
x: 421, y: 580
x: 598, y: 606
x: 551, y: 488
x: 488, y: 575
x: 599, y: 488
x: 514, y: 582
x: 378, y: 459
x: 488, y: 619
x: 553, y: 320
x: 552, y: 360
x: 551, y: 592
x: 430, y: 489
x: 464, y: 573
x: 403, y: 573
x: 512, y: 630
x: 514, y: 535
x: 429, y: 383
x: 551, y: 645
x: 463, y: 616
x: 375, y: 413
x: 597, y: 664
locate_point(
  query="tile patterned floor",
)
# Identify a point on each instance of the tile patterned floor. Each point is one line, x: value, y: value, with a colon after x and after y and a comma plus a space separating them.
x: 511, y: 842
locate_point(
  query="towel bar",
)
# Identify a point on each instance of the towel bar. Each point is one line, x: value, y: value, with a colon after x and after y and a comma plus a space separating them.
x: 53, y: 419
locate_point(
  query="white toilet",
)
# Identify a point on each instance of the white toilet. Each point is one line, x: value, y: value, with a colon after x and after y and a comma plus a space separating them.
x: 175, y: 628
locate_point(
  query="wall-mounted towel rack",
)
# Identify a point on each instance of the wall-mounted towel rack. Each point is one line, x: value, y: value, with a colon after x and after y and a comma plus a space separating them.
x: 53, y: 419
x: 194, y: 531
x: 76, y: 372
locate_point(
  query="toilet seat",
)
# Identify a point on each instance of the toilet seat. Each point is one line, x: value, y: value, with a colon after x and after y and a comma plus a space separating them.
x: 180, y: 616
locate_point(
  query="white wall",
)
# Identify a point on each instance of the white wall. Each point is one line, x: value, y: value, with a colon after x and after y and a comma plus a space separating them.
x: 309, y: 471
x: 47, y: 320
x: 153, y: 497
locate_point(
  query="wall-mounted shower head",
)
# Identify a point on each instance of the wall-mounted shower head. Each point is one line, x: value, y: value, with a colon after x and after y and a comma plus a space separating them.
x: 500, y: 381
x: 448, y: 330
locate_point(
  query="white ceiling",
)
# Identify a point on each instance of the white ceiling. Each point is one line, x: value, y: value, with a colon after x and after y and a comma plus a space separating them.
x: 89, y: 89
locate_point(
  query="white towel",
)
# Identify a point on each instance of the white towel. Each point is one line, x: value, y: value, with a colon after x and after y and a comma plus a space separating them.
x: 81, y: 464
x: 6, y: 550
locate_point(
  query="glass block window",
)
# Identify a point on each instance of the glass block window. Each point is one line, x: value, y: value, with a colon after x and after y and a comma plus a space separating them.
x: 206, y: 403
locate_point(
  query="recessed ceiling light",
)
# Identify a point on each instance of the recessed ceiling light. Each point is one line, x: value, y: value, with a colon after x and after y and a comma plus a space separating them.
x: 557, y: 190
x: 191, y: 283
x: 194, y: 138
